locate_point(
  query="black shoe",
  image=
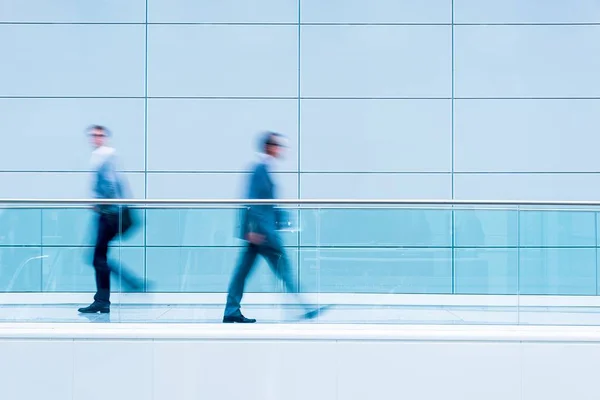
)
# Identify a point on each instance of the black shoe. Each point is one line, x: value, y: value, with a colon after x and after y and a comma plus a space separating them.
x: 95, y: 308
x: 315, y: 313
x: 239, y: 319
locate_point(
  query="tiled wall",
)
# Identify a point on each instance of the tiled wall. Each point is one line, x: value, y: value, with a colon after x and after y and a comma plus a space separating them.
x: 438, y: 99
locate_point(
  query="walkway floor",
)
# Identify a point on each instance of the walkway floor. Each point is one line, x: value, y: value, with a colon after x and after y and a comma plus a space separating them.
x: 337, y: 314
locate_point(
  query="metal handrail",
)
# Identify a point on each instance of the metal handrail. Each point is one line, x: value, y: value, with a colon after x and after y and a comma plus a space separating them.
x: 391, y: 202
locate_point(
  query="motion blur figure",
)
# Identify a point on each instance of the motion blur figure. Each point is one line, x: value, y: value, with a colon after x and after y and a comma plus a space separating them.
x: 107, y: 183
x: 259, y: 230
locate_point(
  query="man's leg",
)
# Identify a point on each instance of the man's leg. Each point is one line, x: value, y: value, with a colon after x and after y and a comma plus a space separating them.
x: 130, y: 280
x: 107, y: 230
x: 119, y: 270
x: 102, y: 297
x: 279, y: 263
x: 238, y: 281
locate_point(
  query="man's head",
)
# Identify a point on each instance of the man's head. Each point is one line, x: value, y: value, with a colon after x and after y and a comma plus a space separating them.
x: 98, y: 135
x: 273, y: 144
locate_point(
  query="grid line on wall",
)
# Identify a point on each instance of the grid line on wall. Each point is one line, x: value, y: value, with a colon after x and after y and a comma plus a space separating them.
x: 300, y: 173
x: 146, y: 108
x: 299, y: 144
x: 309, y: 23
x: 145, y: 230
x: 453, y: 223
x: 452, y: 100
x: 350, y: 98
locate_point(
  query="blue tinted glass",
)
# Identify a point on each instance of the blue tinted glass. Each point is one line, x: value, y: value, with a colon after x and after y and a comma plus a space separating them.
x: 558, y: 271
x: 197, y: 269
x: 69, y: 269
x: 557, y: 228
x: 376, y: 227
x: 20, y: 227
x: 486, y: 271
x: 77, y: 227
x: 199, y: 227
x: 376, y: 270
x: 20, y: 269
x: 481, y: 228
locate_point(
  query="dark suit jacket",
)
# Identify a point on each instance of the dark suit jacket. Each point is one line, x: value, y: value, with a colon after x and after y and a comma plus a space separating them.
x: 260, y: 218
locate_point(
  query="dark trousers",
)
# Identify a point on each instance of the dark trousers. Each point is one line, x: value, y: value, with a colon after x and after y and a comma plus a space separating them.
x: 108, y: 229
x: 277, y: 260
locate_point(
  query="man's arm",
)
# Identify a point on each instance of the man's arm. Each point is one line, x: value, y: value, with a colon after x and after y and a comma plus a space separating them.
x: 255, y: 216
x: 107, y: 185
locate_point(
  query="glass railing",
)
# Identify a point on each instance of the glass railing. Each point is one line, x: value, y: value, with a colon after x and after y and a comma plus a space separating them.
x: 363, y: 257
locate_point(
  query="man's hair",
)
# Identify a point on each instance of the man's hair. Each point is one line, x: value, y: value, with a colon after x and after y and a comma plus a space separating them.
x: 99, y: 128
x: 271, y: 139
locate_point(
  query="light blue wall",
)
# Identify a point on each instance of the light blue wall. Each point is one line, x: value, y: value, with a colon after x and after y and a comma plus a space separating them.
x: 464, y: 99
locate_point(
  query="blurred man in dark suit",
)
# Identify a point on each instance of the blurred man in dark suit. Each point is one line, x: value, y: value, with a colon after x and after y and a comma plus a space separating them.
x: 259, y: 230
x: 107, y: 183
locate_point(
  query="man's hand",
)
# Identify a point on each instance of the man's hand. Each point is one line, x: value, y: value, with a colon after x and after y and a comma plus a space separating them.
x: 255, y: 238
